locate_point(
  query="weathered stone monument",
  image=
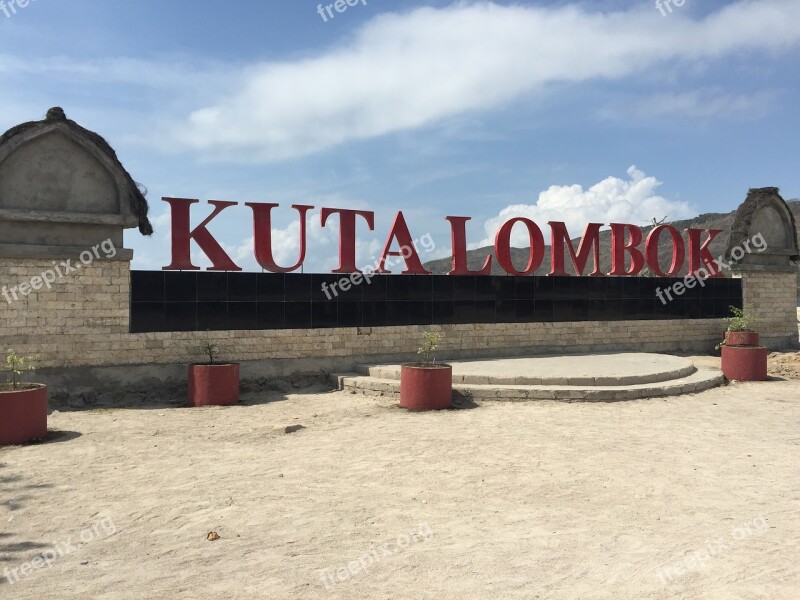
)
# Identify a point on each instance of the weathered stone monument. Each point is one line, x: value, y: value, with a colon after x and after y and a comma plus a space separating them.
x: 62, y: 190
x: 769, y: 276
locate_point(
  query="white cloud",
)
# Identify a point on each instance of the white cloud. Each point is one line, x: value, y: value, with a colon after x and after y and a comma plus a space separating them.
x: 613, y: 200
x: 403, y: 71
x: 702, y: 103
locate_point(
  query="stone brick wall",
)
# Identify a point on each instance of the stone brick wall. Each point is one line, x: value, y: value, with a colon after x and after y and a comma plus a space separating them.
x: 83, y: 322
x: 773, y: 295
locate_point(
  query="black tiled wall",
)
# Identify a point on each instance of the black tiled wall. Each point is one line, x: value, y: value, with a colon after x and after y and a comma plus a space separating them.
x: 200, y: 301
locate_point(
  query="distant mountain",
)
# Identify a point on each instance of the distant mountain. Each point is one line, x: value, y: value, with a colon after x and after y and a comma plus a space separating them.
x: 723, y: 221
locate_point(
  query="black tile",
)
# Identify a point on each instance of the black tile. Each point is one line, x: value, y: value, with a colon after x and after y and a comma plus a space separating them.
x: 297, y: 287
x: 374, y: 313
x: 420, y: 288
x: 397, y: 287
x: 350, y: 314
x: 326, y: 287
x: 147, y: 317
x: 525, y: 288
x: 212, y: 287
x: 180, y: 286
x: 375, y: 290
x: 722, y: 307
x: 598, y: 287
x: 615, y: 287
x: 147, y: 286
x: 631, y: 286
x: 525, y: 310
x: 693, y: 310
x: 242, y: 287
x: 352, y: 288
x: 544, y: 311
x: 420, y: 313
x: 580, y: 309
x: 270, y: 287
x: 180, y: 316
x: 543, y: 288
x: 463, y: 287
x: 562, y: 310
x: 464, y: 310
x: 581, y: 288
x: 495, y: 288
x: 271, y: 315
x: 444, y: 312
x: 562, y: 288
x: 397, y: 312
x: 297, y: 315
x: 324, y: 315
x: 212, y: 316
x: 486, y: 311
x: 505, y: 311
x: 243, y: 315
x: 707, y: 308
x: 676, y: 309
x: 442, y: 287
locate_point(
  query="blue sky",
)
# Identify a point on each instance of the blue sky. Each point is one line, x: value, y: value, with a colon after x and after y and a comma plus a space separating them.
x: 481, y: 109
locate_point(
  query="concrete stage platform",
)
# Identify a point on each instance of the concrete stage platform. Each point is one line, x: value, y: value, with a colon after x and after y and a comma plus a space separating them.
x: 571, y: 378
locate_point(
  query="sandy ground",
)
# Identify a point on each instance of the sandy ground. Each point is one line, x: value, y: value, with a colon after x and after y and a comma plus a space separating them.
x: 695, y: 497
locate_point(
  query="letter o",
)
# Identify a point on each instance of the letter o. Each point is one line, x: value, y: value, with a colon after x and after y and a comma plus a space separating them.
x: 342, y: 574
x: 86, y: 539
x: 740, y: 252
x: 678, y: 251
x: 502, y: 246
x: 403, y: 541
x: 89, y: 254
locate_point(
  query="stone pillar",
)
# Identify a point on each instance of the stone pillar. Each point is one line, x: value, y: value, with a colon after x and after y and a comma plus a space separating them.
x: 763, y: 252
x: 65, y: 200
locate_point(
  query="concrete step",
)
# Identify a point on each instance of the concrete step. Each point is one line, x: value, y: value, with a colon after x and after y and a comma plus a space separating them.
x: 697, y: 381
x: 578, y: 370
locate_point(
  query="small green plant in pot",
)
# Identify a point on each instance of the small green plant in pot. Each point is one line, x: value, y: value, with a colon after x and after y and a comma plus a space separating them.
x: 740, y: 328
x: 742, y: 357
x: 426, y: 385
x: 213, y: 383
x: 23, y: 406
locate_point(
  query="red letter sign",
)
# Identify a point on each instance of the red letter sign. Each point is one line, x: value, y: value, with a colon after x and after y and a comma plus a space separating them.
x: 407, y: 250
x: 699, y: 255
x: 347, y: 235
x: 458, y: 230
x: 678, y: 251
x: 589, y: 241
x: 502, y: 246
x: 182, y: 237
x: 625, y: 239
x: 262, y: 235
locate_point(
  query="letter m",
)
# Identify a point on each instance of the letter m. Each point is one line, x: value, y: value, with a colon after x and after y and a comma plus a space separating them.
x: 590, y: 242
x: 182, y: 237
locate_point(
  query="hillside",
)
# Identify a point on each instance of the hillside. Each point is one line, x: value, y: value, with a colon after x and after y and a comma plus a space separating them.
x: 475, y: 258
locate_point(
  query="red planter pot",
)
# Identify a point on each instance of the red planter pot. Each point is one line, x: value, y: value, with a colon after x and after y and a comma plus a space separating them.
x: 213, y: 385
x: 426, y: 387
x: 741, y: 338
x: 23, y: 415
x: 744, y: 363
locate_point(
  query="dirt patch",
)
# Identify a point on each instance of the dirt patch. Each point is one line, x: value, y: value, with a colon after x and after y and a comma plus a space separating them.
x: 784, y: 364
